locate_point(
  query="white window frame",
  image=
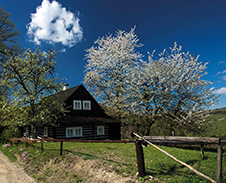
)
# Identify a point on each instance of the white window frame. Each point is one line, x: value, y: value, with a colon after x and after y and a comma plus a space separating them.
x: 100, y: 129
x: 74, y: 105
x: 85, y: 102
x: 45, y: 131
x: 71, y: 134
x: 74, y: 130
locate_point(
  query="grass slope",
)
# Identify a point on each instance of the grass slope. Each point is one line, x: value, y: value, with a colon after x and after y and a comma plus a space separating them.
x: 218, y: 127
x: 82, y: 162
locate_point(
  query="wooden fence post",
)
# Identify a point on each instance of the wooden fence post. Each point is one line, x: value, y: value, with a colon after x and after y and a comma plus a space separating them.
x: 219, y: 163
x: 202, y: 151
x: 42, y: 145
x: 140, y: 158
x: 61, y: 148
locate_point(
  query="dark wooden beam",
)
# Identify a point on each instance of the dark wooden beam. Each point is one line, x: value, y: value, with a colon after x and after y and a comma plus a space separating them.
x: 42, y: 145
x: 61, y: 148
x: 208, y: 140
x: 140, y: 158
x: 219, y: 163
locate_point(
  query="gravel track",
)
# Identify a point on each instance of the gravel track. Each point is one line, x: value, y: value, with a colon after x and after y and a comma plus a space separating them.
x: 10, y: 173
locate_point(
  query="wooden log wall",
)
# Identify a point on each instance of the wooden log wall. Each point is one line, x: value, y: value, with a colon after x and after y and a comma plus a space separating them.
x: 88, y: 131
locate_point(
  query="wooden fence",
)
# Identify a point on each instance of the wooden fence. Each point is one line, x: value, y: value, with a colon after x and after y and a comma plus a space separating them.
x: 179, y: 140
x: 42, y: 141
x: 143, y: 141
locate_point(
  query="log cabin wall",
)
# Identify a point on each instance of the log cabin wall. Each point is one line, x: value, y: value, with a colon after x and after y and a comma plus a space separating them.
x: 89, y: 131
x: 40, y: 132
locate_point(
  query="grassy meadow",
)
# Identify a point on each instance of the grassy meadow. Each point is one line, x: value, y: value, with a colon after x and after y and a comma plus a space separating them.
x: 120, y: 158
x: 218, y: 127
x: 80, y: 159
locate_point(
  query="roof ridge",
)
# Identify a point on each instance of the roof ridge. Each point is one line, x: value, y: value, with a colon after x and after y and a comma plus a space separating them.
x: 65, y: 94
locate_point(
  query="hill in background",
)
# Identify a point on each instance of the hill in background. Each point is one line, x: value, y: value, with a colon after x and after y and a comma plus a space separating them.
x: 219, y: 111
x: 218, y: 127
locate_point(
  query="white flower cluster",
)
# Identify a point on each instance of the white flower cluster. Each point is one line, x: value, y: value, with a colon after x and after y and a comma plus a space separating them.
x: 169, y: 86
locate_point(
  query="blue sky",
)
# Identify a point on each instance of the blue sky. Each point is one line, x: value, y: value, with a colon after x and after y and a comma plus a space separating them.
x: 198, y: 25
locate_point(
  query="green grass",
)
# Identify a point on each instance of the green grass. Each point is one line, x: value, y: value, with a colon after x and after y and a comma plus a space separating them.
x: 218, y: 125
x: 120, y: 157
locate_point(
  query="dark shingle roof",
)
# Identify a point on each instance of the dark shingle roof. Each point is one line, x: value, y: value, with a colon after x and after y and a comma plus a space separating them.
x: 64, y: 95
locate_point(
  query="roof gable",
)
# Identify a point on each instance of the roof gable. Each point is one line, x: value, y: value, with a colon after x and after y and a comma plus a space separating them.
x: 80, y: 93
x: 64, y: 95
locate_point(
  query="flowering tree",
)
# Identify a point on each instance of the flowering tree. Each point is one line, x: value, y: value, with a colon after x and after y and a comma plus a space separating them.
x: 109, y: 63
x: 8, y: 45
x: 32, y: 77
x: 171, y: 87
x: 8, y: 35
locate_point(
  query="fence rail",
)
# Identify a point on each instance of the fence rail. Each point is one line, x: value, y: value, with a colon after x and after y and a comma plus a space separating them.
x: 192, y: 140
x: 139, y: 151
x: 184, y: 140
x: 30, y: 141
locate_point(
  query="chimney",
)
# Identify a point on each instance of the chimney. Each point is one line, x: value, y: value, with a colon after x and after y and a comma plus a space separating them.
x: 66, y: 87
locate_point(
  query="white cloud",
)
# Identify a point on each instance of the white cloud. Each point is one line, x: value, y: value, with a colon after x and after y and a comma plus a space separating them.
x: 221, y: 62
x: 219, y: 73
x: 52, y: 23
x: 220, y: 91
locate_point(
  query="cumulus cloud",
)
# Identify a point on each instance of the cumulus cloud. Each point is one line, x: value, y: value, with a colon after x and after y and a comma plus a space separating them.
x: 220, y: 91
x: 52, y: 23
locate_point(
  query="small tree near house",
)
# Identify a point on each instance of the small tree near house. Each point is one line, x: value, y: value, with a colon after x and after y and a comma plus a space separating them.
x: 32, y: 77
x: 8, y: 36
x: 8, y: 45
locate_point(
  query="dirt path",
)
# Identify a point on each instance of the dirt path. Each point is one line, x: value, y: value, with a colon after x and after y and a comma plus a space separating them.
x: 9, y: 173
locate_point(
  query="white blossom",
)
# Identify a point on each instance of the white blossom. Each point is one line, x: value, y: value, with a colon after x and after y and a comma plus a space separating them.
x: 169, y: 87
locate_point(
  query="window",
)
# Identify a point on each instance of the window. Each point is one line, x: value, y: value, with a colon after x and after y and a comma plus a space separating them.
x: 70, y: 132
x: 77, y: 105
x: 100, y: 130
x: 74, y: 131
x: 86, y: 105
x: 45, y: 131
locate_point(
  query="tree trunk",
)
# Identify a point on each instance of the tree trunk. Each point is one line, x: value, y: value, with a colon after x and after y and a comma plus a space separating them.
x: 147, y: 131
x: 172, y: 132
x: 171, y: 128
x: 148, y: 124
x: 33, y: 129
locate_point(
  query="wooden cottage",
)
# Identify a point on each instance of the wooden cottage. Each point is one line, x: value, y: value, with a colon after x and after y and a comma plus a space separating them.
x: 85, y: 119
